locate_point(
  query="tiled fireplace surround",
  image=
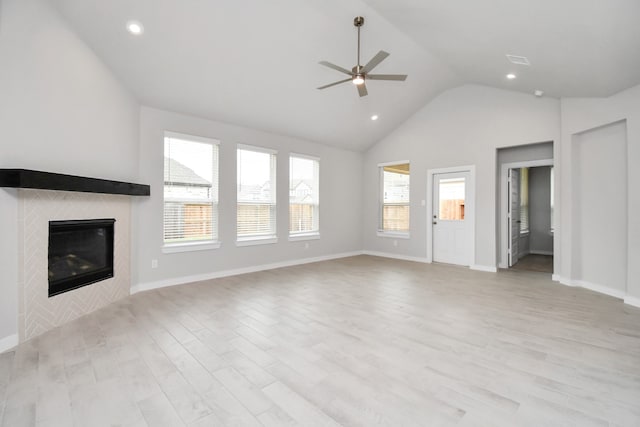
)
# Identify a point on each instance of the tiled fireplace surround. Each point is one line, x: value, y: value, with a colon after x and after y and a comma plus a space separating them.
x: 37, y: 313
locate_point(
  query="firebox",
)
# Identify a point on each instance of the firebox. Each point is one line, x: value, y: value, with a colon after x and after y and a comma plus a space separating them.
x: 80, y: 253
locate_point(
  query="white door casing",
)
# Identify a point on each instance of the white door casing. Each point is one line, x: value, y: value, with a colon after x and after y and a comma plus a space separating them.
x: 514, y: 215
x: 503, y: 238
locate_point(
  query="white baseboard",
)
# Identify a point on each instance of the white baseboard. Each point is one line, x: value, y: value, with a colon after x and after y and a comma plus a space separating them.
x: 12, y: 340
x: 616, y: 293
x: 600, y: 288
x: 634, y: 301
x: 147, y: 286
x: 487, y: 268
x: 396, y: 256
x: 7, y: 343
x: 534, y: 252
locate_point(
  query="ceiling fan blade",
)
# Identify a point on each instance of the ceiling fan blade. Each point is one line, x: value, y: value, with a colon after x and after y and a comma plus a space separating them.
x: 397, y: 77
x: 362, y: 90
x: 335, y: 83
x: 380, y: 56
x: 335, y: 67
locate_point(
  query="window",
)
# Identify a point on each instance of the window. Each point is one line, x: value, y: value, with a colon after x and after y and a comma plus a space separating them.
x: 190, y: 189
x: 451, y: 197
x: 394, y: 215
x: 304, y: 201
x: 256, y: 194
x: 524, y: 200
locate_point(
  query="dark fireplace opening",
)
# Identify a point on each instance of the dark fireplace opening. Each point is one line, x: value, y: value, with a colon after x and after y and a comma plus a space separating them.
x: 80, y: 253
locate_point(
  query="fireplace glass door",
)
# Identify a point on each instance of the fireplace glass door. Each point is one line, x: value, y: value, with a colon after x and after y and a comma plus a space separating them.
x: 80, y: 253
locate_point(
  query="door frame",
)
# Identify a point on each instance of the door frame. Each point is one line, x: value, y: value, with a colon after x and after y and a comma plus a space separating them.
x: 511, y: 172
x: 469, y: 214
x: 504, y: 203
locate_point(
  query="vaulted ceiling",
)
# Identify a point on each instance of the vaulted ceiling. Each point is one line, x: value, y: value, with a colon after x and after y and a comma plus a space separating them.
x: 255, y: 62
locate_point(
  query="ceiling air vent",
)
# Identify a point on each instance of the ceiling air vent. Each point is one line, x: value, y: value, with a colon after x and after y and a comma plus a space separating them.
x: 518, y: 60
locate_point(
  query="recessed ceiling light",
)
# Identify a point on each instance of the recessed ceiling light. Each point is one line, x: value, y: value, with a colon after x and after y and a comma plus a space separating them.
x: 374, y: 117
x: 135, y: 28
x: 511, y: 76
x: 538, y: 93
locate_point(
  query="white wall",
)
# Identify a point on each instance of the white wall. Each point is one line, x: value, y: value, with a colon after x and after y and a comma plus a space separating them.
x: 584, y: 114
x: 524, y: 153
x: 600, y: 207
x: 463, y: 126
x: 540, y: 237
x: 61, y: 110
x: 340, y: 202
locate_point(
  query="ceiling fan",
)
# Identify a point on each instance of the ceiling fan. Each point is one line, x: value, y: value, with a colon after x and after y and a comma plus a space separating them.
x: 359, y: 73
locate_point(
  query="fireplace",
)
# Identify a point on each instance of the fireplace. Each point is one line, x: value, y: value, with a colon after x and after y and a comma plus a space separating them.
x: 80, y: 253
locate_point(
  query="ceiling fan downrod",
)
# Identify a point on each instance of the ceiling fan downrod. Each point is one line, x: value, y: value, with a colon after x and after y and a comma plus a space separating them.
x: 358, y: 21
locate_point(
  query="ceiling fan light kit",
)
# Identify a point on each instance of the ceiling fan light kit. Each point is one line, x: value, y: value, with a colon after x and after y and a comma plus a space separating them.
x: 359, y: 74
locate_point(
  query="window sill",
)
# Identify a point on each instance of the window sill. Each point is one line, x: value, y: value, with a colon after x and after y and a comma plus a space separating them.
x: 524, y: 233
x: 253, y: 241
x: 306, y: 236
x: 394, y: 234
x: 189, y: 247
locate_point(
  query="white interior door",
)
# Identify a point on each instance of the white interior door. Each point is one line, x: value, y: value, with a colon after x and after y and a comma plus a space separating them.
x: 452, y: 233
x: 514, y: 215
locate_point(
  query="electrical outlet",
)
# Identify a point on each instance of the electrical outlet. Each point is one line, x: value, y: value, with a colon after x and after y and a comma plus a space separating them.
x: 306, y: 245
x: 154, y: 263
x: 395, y: 243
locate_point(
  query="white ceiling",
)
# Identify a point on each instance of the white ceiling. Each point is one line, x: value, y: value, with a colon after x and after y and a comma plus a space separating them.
x: 255, y: 62
x: 577, y: 48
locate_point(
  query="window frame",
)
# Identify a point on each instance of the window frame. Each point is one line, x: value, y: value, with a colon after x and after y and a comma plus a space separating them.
x: 204, y: 244
x: 397, y: 234
x: 311, y: 234
x: 263, y: 239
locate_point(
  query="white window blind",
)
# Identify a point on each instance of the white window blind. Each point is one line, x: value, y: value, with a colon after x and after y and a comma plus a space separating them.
x: 256, y: 216
x: 395, y: 183
x: 190, y: 189
x: 304, y: 195
x: 524, y: 200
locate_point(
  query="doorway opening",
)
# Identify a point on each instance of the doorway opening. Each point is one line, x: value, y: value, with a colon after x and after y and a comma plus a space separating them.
x: 527, y: 216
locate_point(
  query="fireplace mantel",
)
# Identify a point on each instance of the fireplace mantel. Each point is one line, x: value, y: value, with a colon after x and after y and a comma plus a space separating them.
x: 25, y: 178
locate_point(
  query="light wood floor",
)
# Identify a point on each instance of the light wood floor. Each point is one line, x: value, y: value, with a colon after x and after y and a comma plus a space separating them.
x: 359, y: 341
x: 535, y: 262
